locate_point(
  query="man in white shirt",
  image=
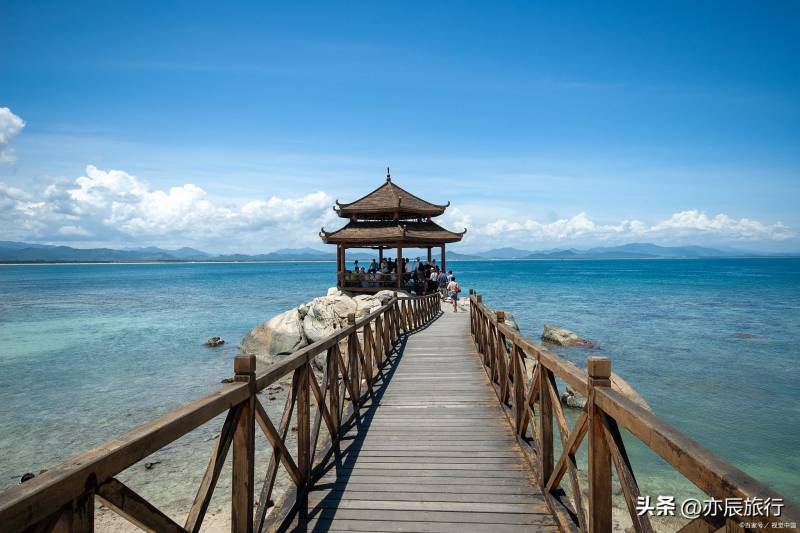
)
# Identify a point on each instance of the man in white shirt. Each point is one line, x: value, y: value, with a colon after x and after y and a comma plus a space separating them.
x: 452, y: 290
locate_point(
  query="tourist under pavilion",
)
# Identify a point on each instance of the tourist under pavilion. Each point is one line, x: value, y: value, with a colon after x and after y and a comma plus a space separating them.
x: 387, y: 218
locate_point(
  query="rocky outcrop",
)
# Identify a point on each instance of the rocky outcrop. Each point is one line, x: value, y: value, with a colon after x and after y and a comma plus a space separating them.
x: 214, y: 341
x: 281, y: 335
x: 564, y: 337
x: 310, y: 322
x: 511, y: 321
x: 325, y: 315
x: 572, y: 399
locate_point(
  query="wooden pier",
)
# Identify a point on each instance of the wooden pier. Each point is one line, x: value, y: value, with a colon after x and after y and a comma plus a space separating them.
x: 433, y: 451
x: 421, y: 421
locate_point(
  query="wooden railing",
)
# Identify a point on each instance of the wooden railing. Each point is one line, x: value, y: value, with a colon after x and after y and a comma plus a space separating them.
x: 533, y: 405
x: 63, y: 498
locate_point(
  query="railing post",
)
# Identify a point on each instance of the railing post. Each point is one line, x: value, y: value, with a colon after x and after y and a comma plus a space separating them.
x: 546, y: 424
x: 479, y: 329
x: 242, y: 483
x: 333, y: 388
x: 518, y: 372
x: 502, y: 360
x: 352, y: 359
x: 80, y: 518
x: 304, y: 426
x: 599, y: 370
x: 396, y: 317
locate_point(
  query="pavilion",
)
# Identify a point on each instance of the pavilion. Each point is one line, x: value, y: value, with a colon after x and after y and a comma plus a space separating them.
x: 387, y: 218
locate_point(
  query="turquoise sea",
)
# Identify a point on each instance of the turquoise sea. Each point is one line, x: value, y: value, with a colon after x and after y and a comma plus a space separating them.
x: 89, y: 351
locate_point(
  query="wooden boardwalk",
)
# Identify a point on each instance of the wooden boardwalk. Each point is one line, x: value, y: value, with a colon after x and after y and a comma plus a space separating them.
x: 433, y: 453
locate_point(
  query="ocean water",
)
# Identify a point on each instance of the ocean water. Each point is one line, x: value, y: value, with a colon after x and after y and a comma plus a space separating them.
x: 90, y: 351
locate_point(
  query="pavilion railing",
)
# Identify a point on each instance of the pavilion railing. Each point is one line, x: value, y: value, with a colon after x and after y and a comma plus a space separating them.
x: 533, y: 405
x: 63, y: 498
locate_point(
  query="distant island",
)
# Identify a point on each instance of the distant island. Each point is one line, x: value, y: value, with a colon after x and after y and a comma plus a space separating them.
x: 21, y: 252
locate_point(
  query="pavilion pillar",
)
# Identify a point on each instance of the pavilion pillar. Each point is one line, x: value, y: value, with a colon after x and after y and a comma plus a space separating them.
x: 429, y: 255
x: 444, y: 263
x: 339, y: 265
x: 401, y: 271
x: 380, y: 254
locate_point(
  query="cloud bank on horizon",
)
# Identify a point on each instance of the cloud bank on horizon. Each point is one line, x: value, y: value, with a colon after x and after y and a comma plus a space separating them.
x: 113, y: 208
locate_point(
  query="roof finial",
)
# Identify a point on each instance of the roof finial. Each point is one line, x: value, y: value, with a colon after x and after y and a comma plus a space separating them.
x: 388, y: 175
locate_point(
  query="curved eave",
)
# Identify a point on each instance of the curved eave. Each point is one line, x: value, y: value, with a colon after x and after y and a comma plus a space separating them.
x: 345, y: 212
x: 411, y: 234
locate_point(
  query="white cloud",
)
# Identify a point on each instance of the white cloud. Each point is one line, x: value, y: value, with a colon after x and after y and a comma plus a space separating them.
x: 683, y: 226
x: 744, y: 228
x: 10, y: 126
x: 113, y: 207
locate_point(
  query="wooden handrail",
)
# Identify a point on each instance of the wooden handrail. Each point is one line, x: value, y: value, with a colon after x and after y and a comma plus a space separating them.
x: 63, y: 497
x: 531, y: 407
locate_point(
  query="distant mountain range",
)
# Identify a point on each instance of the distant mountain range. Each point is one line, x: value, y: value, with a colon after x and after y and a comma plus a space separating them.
x: 20, y: 252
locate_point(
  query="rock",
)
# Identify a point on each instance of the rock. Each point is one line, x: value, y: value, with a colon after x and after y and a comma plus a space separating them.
x: 572, y: 399
x: 226, y: 380
x: 564, y: 337
x: 325, y: 316
x: 739, y: 335
x: 309, y: 323
x: 510, y: 321
x: 366, y: 304
x: 27, y: 476
x: 386, y: 295
x: 214, y: 341
x: 334, y: 291
x: 281, y: 335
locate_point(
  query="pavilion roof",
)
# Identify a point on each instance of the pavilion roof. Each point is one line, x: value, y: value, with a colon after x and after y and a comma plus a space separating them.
x: 391, y: 233
x: 388, y: 200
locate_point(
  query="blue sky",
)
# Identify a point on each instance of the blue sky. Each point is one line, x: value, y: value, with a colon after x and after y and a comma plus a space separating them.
x: 545, y: 125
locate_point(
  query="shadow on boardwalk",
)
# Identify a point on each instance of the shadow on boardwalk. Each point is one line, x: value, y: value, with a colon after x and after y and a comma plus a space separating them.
x: 431, y: 451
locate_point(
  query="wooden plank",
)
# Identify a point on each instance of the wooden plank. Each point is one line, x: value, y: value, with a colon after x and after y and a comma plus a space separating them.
x: 459, y: 517
x: 339, y: 524
x: 419, y: 479
x: 443, y: 506
x: 131, y: 506
x: 278, y: 445
x: 519, y: 489
x: 630, y: 489
x: 218, y: 454
x: 420, y: 496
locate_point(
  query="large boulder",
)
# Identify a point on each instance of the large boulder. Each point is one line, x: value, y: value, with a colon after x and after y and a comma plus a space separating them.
x: 326, y: 315
x: 366, y: 304
x: 564, y: 337
x: 281, y: 335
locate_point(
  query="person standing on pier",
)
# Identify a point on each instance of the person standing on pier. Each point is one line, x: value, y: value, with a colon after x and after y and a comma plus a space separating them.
x: 442, y: 282
x: 453, y: 289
